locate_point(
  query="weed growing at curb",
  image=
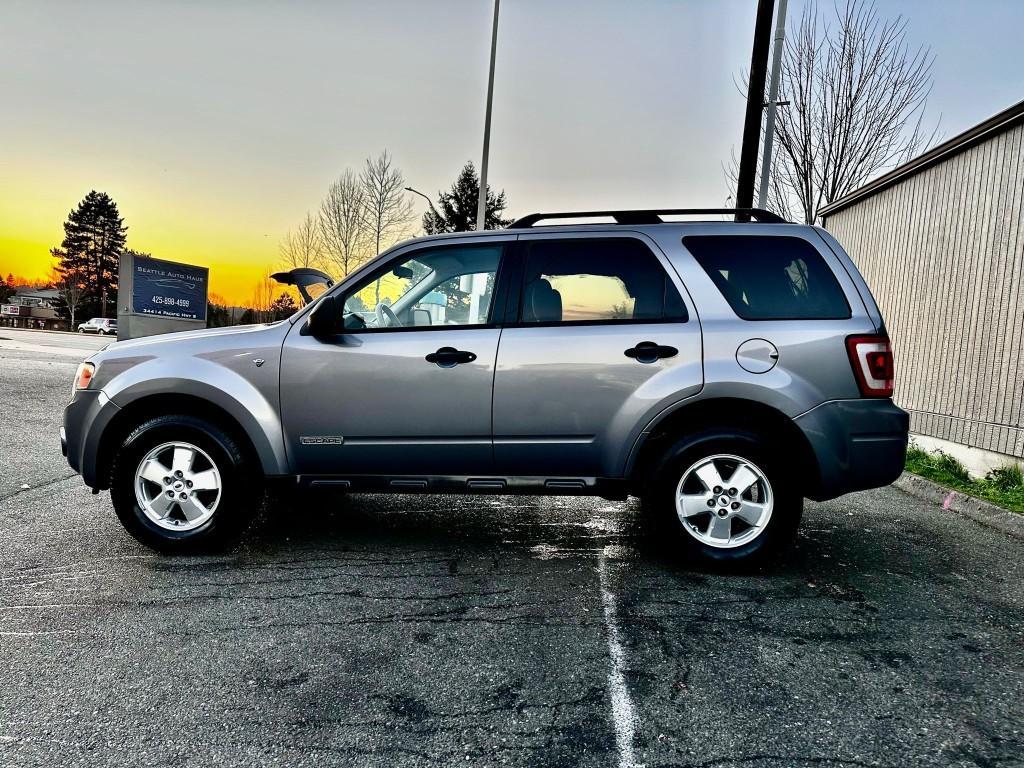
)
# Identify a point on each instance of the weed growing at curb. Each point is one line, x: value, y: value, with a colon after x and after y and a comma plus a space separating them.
x: 1003, y: 486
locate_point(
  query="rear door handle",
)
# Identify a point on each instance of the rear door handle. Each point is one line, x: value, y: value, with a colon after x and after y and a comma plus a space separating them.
x: 448, y: 357
x: 649, y: 352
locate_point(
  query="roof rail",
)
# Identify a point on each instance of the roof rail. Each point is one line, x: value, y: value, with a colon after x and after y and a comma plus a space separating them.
x: 651, y: 216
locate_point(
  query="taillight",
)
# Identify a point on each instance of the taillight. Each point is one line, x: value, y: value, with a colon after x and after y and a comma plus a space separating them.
x: 83, y: 376
x: 871, y: 358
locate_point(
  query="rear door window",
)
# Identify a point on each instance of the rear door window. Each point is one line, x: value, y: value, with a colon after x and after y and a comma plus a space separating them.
x: 770, y: 278
x: 605, y: 280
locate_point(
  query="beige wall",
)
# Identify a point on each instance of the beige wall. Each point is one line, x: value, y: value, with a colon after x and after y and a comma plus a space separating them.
x: 943, y: 252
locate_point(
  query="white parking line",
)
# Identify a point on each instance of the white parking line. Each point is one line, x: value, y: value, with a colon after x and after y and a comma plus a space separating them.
x: 624, y: 717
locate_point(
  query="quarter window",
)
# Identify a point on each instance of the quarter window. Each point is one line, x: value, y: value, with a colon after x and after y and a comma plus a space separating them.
x: 770, y: 278
x: 600, y: 280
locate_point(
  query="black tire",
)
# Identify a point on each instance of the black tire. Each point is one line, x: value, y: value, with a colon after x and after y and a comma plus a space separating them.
x: 241, y: 485
x: 776, y: 536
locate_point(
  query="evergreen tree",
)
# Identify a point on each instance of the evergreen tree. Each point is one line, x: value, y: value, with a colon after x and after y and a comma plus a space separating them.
x: 94, y: 237
x: 217, y: 315
x: 283, y: 306
x: 456, y: 210
x: 7, y: 289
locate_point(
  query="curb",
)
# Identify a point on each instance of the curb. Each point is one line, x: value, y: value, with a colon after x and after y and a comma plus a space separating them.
x: 984, y: 512
x: 40, y: 330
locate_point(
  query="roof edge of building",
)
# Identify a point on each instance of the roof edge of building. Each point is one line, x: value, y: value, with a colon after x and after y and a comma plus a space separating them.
x: 996, y: 124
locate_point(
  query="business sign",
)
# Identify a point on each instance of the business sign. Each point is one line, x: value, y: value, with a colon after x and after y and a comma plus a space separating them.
x: 13, y: 309
x: 167, y: 289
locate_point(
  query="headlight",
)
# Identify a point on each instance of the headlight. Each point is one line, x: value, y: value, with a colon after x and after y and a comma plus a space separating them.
x: 83, y: 377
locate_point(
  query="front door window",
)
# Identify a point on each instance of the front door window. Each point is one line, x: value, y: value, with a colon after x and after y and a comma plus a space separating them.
x: 439, y: 288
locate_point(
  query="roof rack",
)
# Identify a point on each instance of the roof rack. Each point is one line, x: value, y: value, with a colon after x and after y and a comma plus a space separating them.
x: 650, y: 216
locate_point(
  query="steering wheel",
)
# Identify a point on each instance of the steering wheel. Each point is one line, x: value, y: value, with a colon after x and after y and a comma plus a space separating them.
x: 386, y: 318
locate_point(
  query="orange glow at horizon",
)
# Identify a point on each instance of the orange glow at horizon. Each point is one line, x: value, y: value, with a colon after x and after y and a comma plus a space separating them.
x: 237, y: 249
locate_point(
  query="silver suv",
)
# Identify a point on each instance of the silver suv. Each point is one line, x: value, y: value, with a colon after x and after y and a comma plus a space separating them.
x: 721, y: 370
x: 104, y: 326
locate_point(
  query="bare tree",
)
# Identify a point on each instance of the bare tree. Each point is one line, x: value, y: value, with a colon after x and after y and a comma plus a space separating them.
x: 262, y: 298
x: 386, y: 210
x: 343, y: 224
x: 857, y: 93
x: 71, y: 292
x: 303, y: 246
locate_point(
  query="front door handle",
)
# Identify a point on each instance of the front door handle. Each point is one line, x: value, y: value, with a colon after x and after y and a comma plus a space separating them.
x: 448, y: 357
x: 649, y: 352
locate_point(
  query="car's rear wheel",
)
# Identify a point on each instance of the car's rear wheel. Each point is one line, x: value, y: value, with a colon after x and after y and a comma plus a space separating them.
x: 726, y: 498
x: 182, y: 484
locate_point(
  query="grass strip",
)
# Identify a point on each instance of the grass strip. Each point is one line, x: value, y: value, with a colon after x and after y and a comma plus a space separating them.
x: 1003, y: 486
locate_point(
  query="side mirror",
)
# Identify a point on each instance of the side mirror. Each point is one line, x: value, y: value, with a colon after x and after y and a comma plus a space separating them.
x: 323, y: 320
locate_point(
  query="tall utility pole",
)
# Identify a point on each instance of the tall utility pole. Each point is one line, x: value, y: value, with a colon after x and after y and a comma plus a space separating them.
x: 481, y: 207
x: 778, y: 46
x: 755, y: 105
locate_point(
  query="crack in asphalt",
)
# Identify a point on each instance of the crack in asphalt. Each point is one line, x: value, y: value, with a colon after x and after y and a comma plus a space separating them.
x: 39, y: 486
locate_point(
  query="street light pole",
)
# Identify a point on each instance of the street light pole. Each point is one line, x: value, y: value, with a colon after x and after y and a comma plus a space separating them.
x: 429, y: 201
x: 773, y: 94
x: 481, y: 207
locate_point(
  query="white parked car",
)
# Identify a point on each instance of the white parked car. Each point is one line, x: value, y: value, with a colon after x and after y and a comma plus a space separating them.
x: 101, y: 325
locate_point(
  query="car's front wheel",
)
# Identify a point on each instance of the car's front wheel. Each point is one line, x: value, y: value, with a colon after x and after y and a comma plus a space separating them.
x: 726, y: 498
x: 183, y: 484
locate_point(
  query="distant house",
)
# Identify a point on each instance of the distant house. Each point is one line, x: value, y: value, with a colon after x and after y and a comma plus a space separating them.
x: 32, y: 308
x: 940, y: 241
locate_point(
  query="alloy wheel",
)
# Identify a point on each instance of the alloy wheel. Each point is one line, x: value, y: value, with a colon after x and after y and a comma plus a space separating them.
x: 724, y: 501
x: 178, y: 486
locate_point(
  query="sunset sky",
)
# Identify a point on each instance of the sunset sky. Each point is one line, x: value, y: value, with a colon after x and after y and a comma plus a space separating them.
x: 216, y: 125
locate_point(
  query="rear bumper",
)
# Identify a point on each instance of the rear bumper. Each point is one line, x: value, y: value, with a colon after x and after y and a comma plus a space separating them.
x: 858, y: 444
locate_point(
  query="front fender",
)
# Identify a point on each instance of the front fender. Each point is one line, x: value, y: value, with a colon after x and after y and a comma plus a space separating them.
x: 251, y: 400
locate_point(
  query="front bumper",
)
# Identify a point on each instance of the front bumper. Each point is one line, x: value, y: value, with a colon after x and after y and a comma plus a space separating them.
x: 858, y: 444
x: 85, y: 418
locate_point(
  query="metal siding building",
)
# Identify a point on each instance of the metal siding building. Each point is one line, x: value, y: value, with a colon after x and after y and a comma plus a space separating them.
x: 940, y: 240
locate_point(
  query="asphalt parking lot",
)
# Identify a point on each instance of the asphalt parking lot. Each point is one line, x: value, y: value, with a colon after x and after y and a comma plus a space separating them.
x: 413, y: 630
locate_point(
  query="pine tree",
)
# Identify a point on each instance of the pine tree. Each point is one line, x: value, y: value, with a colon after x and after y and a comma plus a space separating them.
x: 283, y: 306
x: 456, y: 210
x: 7, y: 289
x: 94, y: 237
